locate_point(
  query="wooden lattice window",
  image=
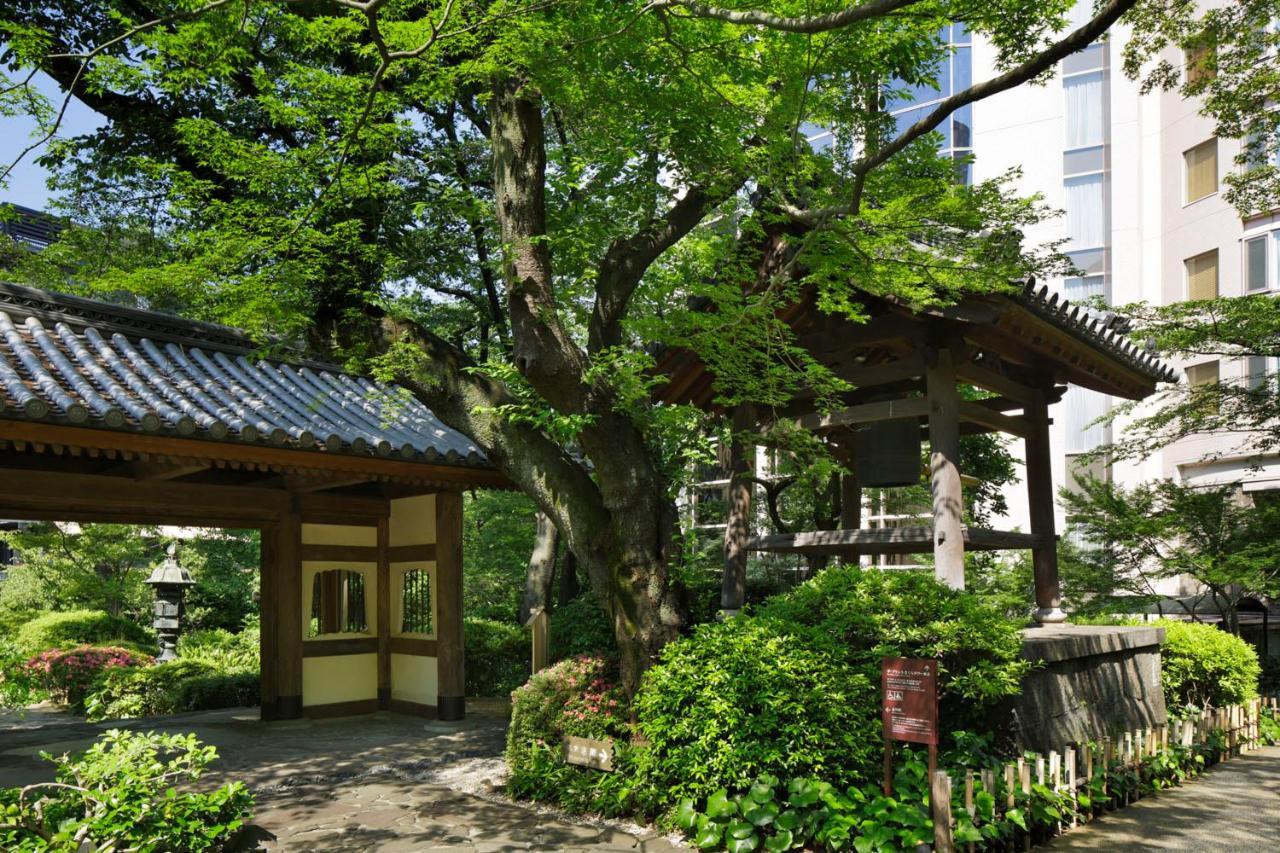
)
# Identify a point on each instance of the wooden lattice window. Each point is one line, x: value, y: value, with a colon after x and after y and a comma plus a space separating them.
x: 415, y: 607
x: 338, y: 603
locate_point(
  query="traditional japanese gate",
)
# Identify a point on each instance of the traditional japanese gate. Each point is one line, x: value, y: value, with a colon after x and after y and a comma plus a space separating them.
x: 118, y: 415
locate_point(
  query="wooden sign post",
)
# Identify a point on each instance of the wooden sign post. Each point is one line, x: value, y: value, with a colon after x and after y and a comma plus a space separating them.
x: 540, y: 629
x: 909, y: 712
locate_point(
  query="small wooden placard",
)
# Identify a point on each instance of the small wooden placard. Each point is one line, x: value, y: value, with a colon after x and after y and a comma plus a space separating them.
x: 585, y: 752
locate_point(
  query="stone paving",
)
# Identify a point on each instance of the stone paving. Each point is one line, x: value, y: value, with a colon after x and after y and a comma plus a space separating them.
x: 381, y: 782
x: 1233, y: 808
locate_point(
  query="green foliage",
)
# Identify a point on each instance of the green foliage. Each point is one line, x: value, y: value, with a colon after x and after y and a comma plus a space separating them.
x: 752, y: 696
x: 1141, y: 534
x: 868, y: 615
x: 1204, y: 667
x: 224, y: 565
x: 18, y: 685
x: 67, y: 675
x: 124, y: 793
x: 498, y: 656
x: 75, y: 627
x: 222, y: 649
x: 581, y: 627
x: 98, y: 567
x: 1269, y: 727
x: 498, y: 529
x: 168, y: 688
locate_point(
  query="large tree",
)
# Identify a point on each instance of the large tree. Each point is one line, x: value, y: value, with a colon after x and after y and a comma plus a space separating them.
x: 497, y: 202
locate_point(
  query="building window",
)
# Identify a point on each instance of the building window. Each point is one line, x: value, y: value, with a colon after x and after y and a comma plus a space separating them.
x: 1082, y: 407
x: 1202, y: 170
x: 955, y: 74
x: 1085, y: 109
x: 1086, y: 212
x: 1086, y: 290
x: 1203, y: 379
x: 1202, y: 276
x: 415, y: 603
x: 1255, y: 261
x: 1257, y: 369
x: 337, y: 603
x: 1198, y: 64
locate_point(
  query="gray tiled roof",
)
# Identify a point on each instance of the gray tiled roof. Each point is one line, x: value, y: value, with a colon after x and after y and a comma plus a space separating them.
x: 1096, y: 330
x: 68, y: 360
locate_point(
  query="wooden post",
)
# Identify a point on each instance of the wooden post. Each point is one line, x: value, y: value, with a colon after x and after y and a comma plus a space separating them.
x: 940, y: 803
x: 733, y: 587
x: 384, y: 615
x: 944, y: 471
x: 850, y: 491
x: 1044, y: 557
x: 282, y: 619
x: 451, y: 696
x: 540, y: 629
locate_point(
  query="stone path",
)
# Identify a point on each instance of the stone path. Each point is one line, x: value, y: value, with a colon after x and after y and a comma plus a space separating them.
x: 382, y: 782
x: 1233, y: 808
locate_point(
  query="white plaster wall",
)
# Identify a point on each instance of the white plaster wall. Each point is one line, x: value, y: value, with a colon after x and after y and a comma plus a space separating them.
x: 413, y: 679
x: 413, y: 521
x: 339, y: 678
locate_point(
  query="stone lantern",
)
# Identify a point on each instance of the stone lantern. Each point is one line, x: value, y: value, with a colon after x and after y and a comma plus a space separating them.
x: 170, y: 582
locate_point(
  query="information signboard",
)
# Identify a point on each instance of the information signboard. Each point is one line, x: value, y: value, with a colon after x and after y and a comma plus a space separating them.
x: 910, y: 706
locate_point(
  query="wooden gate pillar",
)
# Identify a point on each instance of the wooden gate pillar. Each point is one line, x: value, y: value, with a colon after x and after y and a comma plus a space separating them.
x: 1044, y: 555
x: 944, y: 471
x: 280, y: 608
x: 451, y: 700
x: 733, y: 586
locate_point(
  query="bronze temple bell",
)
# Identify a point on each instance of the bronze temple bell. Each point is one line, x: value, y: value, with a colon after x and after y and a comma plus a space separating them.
x: 887, y: 454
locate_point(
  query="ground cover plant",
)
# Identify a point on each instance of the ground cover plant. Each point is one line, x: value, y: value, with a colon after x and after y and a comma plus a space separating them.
x: 127, y: 792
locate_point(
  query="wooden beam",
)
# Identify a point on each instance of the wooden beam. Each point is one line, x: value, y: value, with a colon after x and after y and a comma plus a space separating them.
x: 287, y: 567
x: 100, y: 441
x: 158, y: 470
x: 1040, y: 500
x: 849, y: 336
x: 998, y: 421
x: 997, y: 383
x: 944, y: 472
x: 868, y: 376
x: 884, y: 410
x: 307, y: 484
x: 384, y: 614
x: 887, y: 540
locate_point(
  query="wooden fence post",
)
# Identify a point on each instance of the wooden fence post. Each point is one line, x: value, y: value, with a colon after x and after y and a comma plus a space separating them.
x: 940, y: 805
x: 540, y: 626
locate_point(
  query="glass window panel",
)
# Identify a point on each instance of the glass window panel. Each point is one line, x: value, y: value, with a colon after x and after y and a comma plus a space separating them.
x: 1202, y: 170
x: 964, y: 167
x: 1079, y: 14
x: 1084, y: 95
x: 962, y: 69
x: 1084, y: 160
x: 1091, y: 58
x: 1202, y: 276
x: 1086, y: 289
x: 960, y: 34
x: 1256, y: 371
x: 1255, y: 254
x: 1203, y: 378
x: 963, y: 122
x: 1198, y: 64
x: 1274, y: 277
x: 909, y: 117
x: 1086, y: 212
x: 1089, y: 261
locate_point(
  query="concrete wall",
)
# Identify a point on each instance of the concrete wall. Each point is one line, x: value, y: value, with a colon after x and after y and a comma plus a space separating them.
x: 1092, y: 682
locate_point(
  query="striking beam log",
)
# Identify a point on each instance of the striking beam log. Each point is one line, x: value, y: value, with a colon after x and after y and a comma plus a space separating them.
x: 996, y: 383
x: 998, y: 421
x: 944, y: 472
x: 884, y: 410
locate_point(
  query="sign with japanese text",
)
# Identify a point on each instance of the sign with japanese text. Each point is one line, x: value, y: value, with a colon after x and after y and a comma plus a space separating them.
x: 585, y: 752
x: 910, y: 705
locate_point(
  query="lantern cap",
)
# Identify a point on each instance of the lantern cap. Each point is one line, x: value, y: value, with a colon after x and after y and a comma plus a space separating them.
x: 169, y: 573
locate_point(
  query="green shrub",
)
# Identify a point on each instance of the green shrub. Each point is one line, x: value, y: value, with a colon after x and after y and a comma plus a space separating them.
x: 1204, y: 667
x: 581, y: 627
x: 868, y: 615
x: 67, y: 674
x: 83, y: 627
x: 221, y: 649
x: 18, y: 685
x: 748, y: 697
x: 498, y: 656
x: 169, y: 688
x: 121, y: 795
x: 574, y: 697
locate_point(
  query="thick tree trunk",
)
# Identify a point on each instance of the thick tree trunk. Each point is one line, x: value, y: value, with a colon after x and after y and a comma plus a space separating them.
x: 542, y: 569
x: 569, y: 585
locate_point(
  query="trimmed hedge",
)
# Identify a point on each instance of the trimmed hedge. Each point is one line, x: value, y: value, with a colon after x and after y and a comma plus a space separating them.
x: 498, y: 656
x: 168, y: 688
x: 83, y: 627
x: 1205, y: 667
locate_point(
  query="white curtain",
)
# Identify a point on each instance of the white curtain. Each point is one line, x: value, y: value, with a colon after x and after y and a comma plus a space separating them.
x: 1084, y: 110
x: 1086, y: 212
x: 1080, y: 407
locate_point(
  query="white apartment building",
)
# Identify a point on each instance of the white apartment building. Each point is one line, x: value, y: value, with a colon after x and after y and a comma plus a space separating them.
x: 1139, y: 177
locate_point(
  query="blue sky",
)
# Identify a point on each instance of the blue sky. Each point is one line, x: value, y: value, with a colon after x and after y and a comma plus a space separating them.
x: 26, y: 184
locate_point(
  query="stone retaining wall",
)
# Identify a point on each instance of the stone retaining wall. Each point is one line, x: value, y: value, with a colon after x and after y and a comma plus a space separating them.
x: 1094, y: 681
